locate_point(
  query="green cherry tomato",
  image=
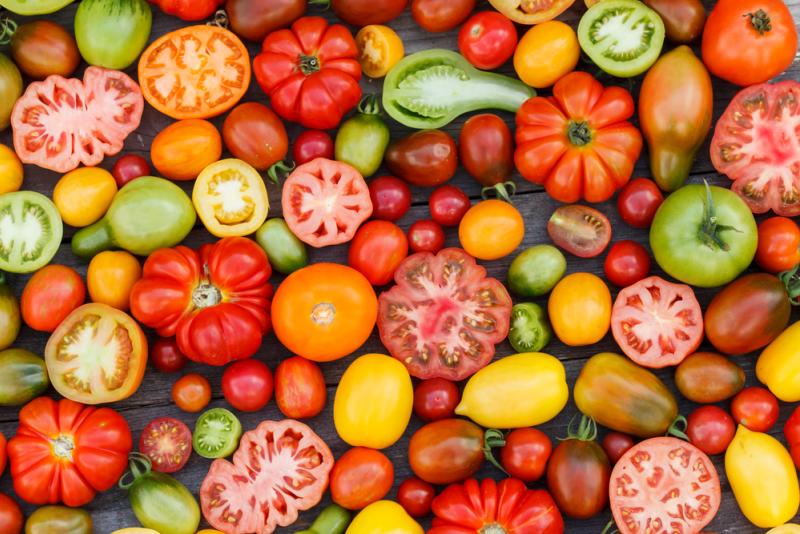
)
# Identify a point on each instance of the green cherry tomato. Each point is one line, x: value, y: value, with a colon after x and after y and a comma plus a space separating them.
x: 536, y: 270
x: 112, y: 33
x: 10, y: 89
x: 333, y: 519
x: 216, y: 433
x: 362, y: 139
x: 285, y: 251
x: 34, y: 7
x: 59, y: 520
x: 530, y: 330
x: 31, y: 231
x: 23, y: 377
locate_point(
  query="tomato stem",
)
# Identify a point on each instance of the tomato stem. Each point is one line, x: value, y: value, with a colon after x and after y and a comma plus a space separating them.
x: 587, y: 429
x: 710, y: 229
x: 63, y: 447
x: 7, y: 30
x: 759, y: 21
x: 140, y: 465
x: 325, y: 4
x: 206, y: 295
x: 579, y: 133
x: 610, y: 528
x: 491, y: 439
x: 790, y: 279
x: 279, y: 170
x: 678, y: 428
x: 503, y: 191
x: 308, y: 64
x: 370, y: 105
x: 220, y: 19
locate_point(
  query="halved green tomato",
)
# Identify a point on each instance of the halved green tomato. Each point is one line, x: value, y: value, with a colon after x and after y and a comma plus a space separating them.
x: 531, y: 11
x: 216, y: 433
x: 30, y: 231
x: 97, y: 354
x: 230, y: 198
x: 530, y: 331
x: 623, y: 37
x: 34, y: 7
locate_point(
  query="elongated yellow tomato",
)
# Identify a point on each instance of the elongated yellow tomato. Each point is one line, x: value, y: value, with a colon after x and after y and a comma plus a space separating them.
x: 83, y: 196
x: 763, y: 478
x: 373, y: 402
x: 379, y: 49
x: 491, y: 229
x: 384, y: 517
x: 516, y: 391
x: 580, y: 309
x: 11, y: 171
x: 546, y: 53
x: 779, y: 365
x: 788, y: 528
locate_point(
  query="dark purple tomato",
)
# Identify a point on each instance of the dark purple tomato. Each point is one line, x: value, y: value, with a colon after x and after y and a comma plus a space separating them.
x: 390, y: 197
x: 129, y: 167
x: 426, y: 236
x: 578, y: 474
x: 448, y: 204
x: 710, y: 429
x: 435, y: 399
x: 627, y: 263
x: 638, y: 202
x: 312, y: 144
x: 166, y: 356
x: 616, y: 444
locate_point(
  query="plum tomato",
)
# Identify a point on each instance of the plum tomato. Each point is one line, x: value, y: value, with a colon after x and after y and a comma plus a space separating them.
x: 129, y: 167
x: 247, y: 385
x: 616, y: 444
x: 778, y: 244
x: 416, y: 496
x: 390, y: 197
x: 42, y: 48
x: 168, y: 444
x: 580, y: 230
x: 50, y: 295
x: 255, y: 134
x: 627, y: 262
x: 166, y: 356
x: 312, y: 144
x: 756, y: 408
x: 360, y: 477
x: 191, y: 393
x: 441, y: 15
x: 710, y: 429
x: 638, y: 202
x: 525, y: 454
x: 448, y: 204
x: 299, y: 388
x: 426, y: 236
x: 486, y: 149
x: 376, y: 250
x: 425, y: 158
x: 487, y: 39
x: 436, y: 398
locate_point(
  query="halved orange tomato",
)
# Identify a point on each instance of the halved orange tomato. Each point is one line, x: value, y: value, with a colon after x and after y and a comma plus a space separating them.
x: 379, y: 49
x: 531, y: 11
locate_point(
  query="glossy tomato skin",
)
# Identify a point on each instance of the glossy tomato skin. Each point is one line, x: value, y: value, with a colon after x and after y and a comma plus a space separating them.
x: 191, y: 393
x: 486, y: 150
x: 627, y: 262
x: 756, y: 408
x: 710, y: 429
x: 365, y: 12
x: 683, y: 19
x: 110, y: 277
x: 129, y: 167
x: 638, y: 202
x: 491, y: 229
x: 426, y: 236
x: 441, y: 15
x: 3, y: 454
x: 247, y: 385
x: 11, y: 518
x: 41, y: 48
x: 425, y: 158
x: 376, y: 250
x: 448, y: 204
x: 546, y: 53
x: 50, y: 296
x: 379, y: 49
x: 166, y: 356
x: 391, y: 198
x: 188, y: 9
x: 580, y: 230
x: 778, y: 244
x: 312, y: 144
x: 254, y: 19
x: 300, y: 390
x: 446, y: 451
x: 708, y: 377
x: 255, y: 134
x: 487, y: 39
x: 525, y: 454
x: 616, y: 444
x: 360, y: 477
x: 436, y: 398
x: 584, y: 295
x: 184, y: 148
x: 578, y: 474
x: 416, y: 496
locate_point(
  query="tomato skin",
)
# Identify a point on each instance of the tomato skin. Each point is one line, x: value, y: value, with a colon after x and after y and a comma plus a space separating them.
x: 791, y: 430
x: 391, y: 198
x: 416, y: 496
x: 435, y: 399
x: 166, y: 356
x: 683, y: 19
x: 247, y: 385
x: 425, y: 236
x: 627, y: 262
x: 486, y: 149
x: 440, y: 15
x: 580, y: 230
x: 360, y: 477
x: 487, y: 39
x: 778, y: 244
x: 254, y: 133
x: 183, y: 149
x: 710, y: 429
x: 83, y: 196
x: 111, y: 276
x: 42, y: 48
x: 584, y: 294
x: 300, y: 390
x: 191, y: 393
x: 578, y: 474
x: 50, y: 295
x: 3, y: 453
x: 616, y: 444
x: 707, y: 377
x: 168, y: 444
x: 188, y: 9
x: 525, y: 454
x: 425, y: 158
x: 776, y: 364
x: 129, y: 167
x: 254, y: 19
x: 491, y: 229
x: 756, y: 408
x: 365, y: 12
x: 546, y: 53
x: 446, y: 451
x: 11, y: 518
x: 11, y: 171
x: 59, y: 520
x: 312, y: 144
x: 638, y: 202
x: 448, y: 204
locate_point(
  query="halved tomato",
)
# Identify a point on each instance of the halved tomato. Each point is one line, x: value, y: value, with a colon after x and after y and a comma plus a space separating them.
x: 757, y: 145
x: 97, y: 354
x: 379, y: 49
x: 657, y: 323
x: 580, y: 230
x: 168, y: 444
x: 444, y: 316
x: 531, y: 11
x: 195, y: 72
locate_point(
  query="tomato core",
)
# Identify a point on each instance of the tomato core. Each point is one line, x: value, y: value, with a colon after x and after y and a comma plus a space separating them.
x: 206, y: 295
x: 308, y: 64
x: 760, y: 21
x: 493, y: 528
x: 579, y: 133
x: 63, y: 447
x: 323, y: 313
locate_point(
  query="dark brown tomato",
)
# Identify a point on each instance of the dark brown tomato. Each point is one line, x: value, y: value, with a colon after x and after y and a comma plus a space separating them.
x: 683, y: 19
x: 426, y: 158
x: 708, y: 377
x: 580, y: 230
x: 578, y: 474
x: 446, y: 451
x: 365, y: 12
x: 486, y: 149
x: 616, y: 444
x: 41, y: 48
x: 441, y: 15
x: 254, y: 19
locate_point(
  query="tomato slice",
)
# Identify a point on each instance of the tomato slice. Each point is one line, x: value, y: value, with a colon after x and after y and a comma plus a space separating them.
x: 580, y: 230
x: 756, y: 144
x: 195, y: 72
x: 97, y: 354
x: 325, y: 201
x: 379, y: 49
x: 216, y: 433
x: 657, y: 323
x: 531, y: 11
x: 168, y: 444
x: 444, y: 316
x: 664, y: 485
x: 30, y: 231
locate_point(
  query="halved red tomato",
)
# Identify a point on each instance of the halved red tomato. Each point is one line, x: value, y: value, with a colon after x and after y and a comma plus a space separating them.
x: 325, y: 201
x: 280, y: 468
x: 168, y: 444
x: 657, y: 323
x: 531, y: 11
x: 97, y: 354
x: 61, y: 123
x: 757, y: 145
x: 444, y: 316
x: 580, y: 230
x: 664, y: 485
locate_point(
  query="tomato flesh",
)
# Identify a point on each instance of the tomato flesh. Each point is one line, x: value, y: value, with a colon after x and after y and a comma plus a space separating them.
x: 168, y: 444
x: 580, y: 230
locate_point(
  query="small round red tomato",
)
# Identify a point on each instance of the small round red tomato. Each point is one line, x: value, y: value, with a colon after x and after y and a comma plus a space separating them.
x: 299, y: 388
x: 580, y: 230
x: 376, y: 250
x: 448, y: 204
x: 441, y: 15
x: 627, y: 263
x: 3, y: 454
x: 166, y: 356
x: 416, y: 496
x: 638, y: 202
x: 312, y: 144
x: 436, y: 399
x: 756, y: 408
x: 168, y: 444
x: 247, y: 385
x: 616, y: 444
x: 710, y: 429
x: 487, y: 39
x: 129, y: 167
x: 256, y: 135
x: 11, y: 518
x: 778, y: 244
x: 360, y: 477
x: 525, y: 454
x: 426, y: 236
x: 486, y: 149
x: 51, y: 294
x: 191, y: 393
x: 390, y: 197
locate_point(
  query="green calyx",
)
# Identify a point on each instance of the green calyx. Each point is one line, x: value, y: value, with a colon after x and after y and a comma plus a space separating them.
x: 587, y: 429
x: 579, y: 133
x: 308, y: 64
x: 7, y: 30
x: 790, y: 279
x: 491, y: 439
x: 279, y: 170
x: 140, y: 465
x: 678, y: 428
x: 503, y: 191
x: 710, y: 229
x: 370, y: 104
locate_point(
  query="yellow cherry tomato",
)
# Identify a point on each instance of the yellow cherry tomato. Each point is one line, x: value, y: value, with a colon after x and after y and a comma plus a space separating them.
x: 10, y: 170
x: 762, y: 477
x: 779, y: 365
x: 379, y: 49
x: 82, y: 196
x: 516, y: 391
x: 373, y: 402
x: 546, y: 53
x: 111, y: 276
x: 491, y: 229
x: 580, y: 309
x: 384, y: 517
x: 788, y: 528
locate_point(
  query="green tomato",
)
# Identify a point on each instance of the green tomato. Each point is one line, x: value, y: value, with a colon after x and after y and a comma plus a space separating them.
x: 34, y: 7
x: 703, y: 235
x: 147, y: 214
x: 536, y: 270
x: 333, y: 519
x: 363, y: 138
x: 530, y: 330
x: 216, y: 433
x: 112, y: 33
x: 9, y: 314
x: 30, y: 231
x: 59, y: 520
x: 10, y: 89
x: 23, y: 377
x: 285, y: 251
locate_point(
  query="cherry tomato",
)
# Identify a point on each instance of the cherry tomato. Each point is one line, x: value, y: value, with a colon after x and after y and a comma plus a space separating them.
x: 448, y: 204
x: 627, y: 263
x: 191, y: 393
x: 778, y: 244
x: 416, y: 496
x: 441, y: 15
x: 129, y: 167
x: 756, y: 408
x: 436, y: 399
x: 710, y: 429
x: 580, y: 230
x: 168, y: 444
x: 616, y: 444
x: 299, y: 388
x: 487, y: 39
x: 376, y: 250
x: 166, y: 356
x: 310, y: 145
x: 50, y: 295
x: 247, y: 384
x: 11, y: 518
x: 638, y: 202
x: 360, y: 477
x: 426, y: 236
x: 525, y: 454
x: 486, y: 149
x: 390, y: 197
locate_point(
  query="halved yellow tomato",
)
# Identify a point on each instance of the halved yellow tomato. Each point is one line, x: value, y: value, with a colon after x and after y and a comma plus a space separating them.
x: 83, y: 196
x: 531, y: 11
x: 10, y: 170
x: 379, y: 49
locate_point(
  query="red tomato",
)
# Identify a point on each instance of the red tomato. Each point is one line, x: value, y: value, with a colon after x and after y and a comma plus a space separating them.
x: 425, y: 236
x: 191, y: 393
x: 254, y: 19
x: 188, y: 9
x: 168, y: 444
x: 255, y: 134
x: 448, y: 204
x: 627, y: 263
x: 486, y: 149
x: 487, y: 39
x: 365, y: 12
x: 166, y: 356
x: 756, y: 408
x: 525, y: 454
x: 425, y: 158
x: 657, y: 323
x: 247, y: 385
x: 580, y: 230
x: 299, y: 388
x: 616, y: 444
x: 638, y: 202
x: 3, y: 454
x: 436, y: 399
x: 778, y: 244
x: 792, y: 432
x: 11, y: 518
x: 42, y: 48
x: 377, y: 250
x: 312, y: 144
x: 50, y: 295
x: 578, y: 475
x: 129, y: 167
x: 360, y: 477
x: 710, y: 429
x: 416, y: 496
x: 441, y: 15
x: 390, y: 197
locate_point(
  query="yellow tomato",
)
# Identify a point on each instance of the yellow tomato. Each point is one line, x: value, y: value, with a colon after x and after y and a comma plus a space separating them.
x: 384, y: 517
x: 546, y: 53
x: 373, y: 402
x: 779, y: 365
x: 209, y: 531
x: 762, y: 477
x: 491, y: 229
x: 136, y: 530
x: 111, y: 276
x: 379, y: 49
x: 10, y: 170
x: 788, y: 528
x: 82, y: 196
x: 580, y: 309
x: 516, y: 391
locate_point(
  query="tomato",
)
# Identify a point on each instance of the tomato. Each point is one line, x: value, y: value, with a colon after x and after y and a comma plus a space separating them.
x: 11, y: 171
x: 216, y: 433
x: 362, y: 139
x: 129, y: 167
x: 525, y: 453
x: 10, y: 322
x: 491, y: 229
x: 247, y: 385
x: 791, y: 430
x: 188, y: 9
x: 300, y: 390
x: 582, y: 295
x: 441, y: 15
x: 486, y: 149
x: 312, y: 144
x: 756, y: 408
x: 23, y: 376
x: 627, y: 262
x: 59, y: 520
x: 379, y: 49
x: 101, y: 110
x: 446, y: 451
x: 710, y: 429
x: 112, y: 33
x: 530, y: 330
x: 361, y: 477
x: 748, y: 42
x: 707, y: 377
x: 435, y: 399
x: 536, y: 270
x: 365, y: 12
x: 683, y: 19
x: 168, y: 444
x: 238, y: 504
x: 324, y: 312
x: 580, y: 230
x: 531, y: 12
x: 390, y: 196
x: 416, y: 319
x: 448, y: 204
x: 254, y: 19
x: 546, y: 53
x: 384, y: 517
x: 37, y: 7
x: 425, y: 158
x: 10, y: 89
x: 191, y: 393
x: 638, y: 202
x: 416, y: 496
x: 42, y: 48
x: 166, y: 355
x: 11, y: 518
x: 425, y: 236
x: 3, y: 453
x: 184, y: 148
x: 172, y: 83
x: 777, y: 365
x: 616, y: 444
x: 285, y: 252
x: 32, y: 231
x: 111, y: 276
x: 255, y: 134
x: 778, y: 244
x: 66, y: 452
x: 487, y: 39
x: 50, y: 295
x: 83, y: 196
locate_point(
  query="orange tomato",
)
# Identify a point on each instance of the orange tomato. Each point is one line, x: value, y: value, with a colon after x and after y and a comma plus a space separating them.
x: 191, y: 393
x: 111, y: 276
x: 183, y: 149
x: 491, y: 229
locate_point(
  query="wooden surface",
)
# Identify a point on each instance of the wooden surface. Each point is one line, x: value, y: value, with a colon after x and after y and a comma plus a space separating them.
x: 111, y: 510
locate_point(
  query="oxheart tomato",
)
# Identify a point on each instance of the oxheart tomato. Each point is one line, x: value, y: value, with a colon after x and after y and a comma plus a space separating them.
x: 486, y: 149
x: 778, y: 244
x: 168, y: 444
x: 299, y: 388
x: 259, y: 491
x: 360, y: 477
x: 487, y: 39
x: 214, y: 300
x: 254, y: 19
x: 50, y: 295
x: 188, y: 9
x: 66, y: 452
x: 376, y: 250
x: 255, y: 134
x: 247, y: 385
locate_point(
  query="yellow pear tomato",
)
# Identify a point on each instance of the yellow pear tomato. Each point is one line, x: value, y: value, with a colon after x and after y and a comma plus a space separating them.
x: 111, y: 276
x: 491, y: 229
x: 379, y: 49
x: 580, y: 309
x: 11, y: 172
x: 546, y: 53
x: 779, y: 365
x: 82, y: 196
x: 384, y: 517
